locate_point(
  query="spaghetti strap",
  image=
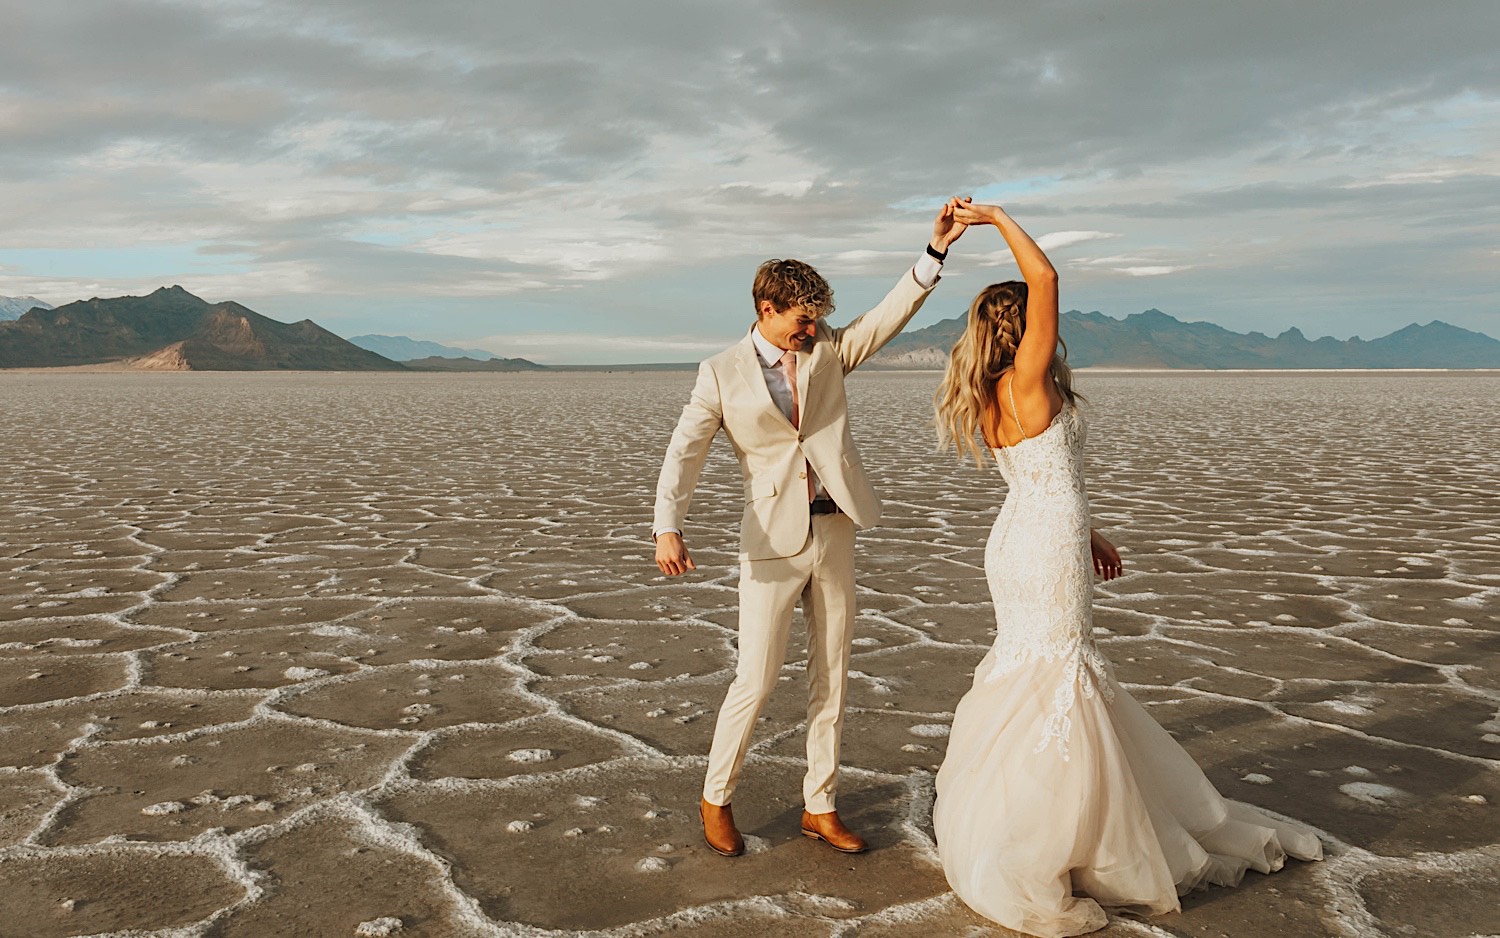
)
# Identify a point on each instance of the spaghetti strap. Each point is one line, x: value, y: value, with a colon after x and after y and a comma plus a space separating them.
x: 1010, y: 389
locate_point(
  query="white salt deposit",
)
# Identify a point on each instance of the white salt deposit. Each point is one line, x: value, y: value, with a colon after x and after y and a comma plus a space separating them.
x: 339, y: 631
x: 652, y: 865
x: 304, y: 674
x: 1256, y: 778
x: 826, y: 905
x: 1374, y: 793
x: 379, y: 928
x: 529, y: 756
x: 1348, y: 707
x: 163, y: 808
x: 931, y: 730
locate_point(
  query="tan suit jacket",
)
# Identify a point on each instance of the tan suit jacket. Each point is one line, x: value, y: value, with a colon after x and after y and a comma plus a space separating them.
x: 731, y: 393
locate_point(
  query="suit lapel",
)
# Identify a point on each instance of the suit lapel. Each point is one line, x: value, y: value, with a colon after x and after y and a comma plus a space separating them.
x: 804, y: 379
x: 748, y: 364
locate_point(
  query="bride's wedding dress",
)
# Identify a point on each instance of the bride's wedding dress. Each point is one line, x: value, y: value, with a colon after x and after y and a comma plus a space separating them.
x: 1056, y: 781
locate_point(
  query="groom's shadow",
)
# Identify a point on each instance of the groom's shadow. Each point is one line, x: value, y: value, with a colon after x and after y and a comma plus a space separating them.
x: 880, y: 813
x: 809, y: 875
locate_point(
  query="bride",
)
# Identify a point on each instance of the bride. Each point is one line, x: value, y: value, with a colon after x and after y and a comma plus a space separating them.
x: 1056, y: 782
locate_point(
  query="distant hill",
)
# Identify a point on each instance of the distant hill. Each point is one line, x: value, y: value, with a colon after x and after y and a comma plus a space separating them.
x: 400, y: 348
x: 11, y: 307
x: 439, y: 363
x: 1153, y: 339
x: 173, y: 330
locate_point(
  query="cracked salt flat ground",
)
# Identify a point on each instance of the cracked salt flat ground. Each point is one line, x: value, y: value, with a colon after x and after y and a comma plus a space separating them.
x: 339, y: 655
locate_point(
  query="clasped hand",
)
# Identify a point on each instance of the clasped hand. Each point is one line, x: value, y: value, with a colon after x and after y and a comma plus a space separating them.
x: 957, y: 214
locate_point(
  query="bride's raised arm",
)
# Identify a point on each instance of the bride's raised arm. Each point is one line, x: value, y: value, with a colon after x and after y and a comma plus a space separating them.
x: 1039, y: 340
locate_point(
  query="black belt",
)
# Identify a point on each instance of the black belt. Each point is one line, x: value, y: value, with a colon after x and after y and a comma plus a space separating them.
x: 825, y: 506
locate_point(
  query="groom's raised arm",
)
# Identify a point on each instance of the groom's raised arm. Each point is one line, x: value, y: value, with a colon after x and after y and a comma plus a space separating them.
x: 687, y: 452
x: 869, y: 333
x: 866, y: 335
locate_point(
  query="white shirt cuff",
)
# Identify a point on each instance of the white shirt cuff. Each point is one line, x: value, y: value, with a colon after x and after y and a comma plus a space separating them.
x: 927, y: 271
x: 658, y: 532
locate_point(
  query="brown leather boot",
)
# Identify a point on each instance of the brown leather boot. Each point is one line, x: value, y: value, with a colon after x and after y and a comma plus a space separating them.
x: 719, y: 831
x: 829, y: 829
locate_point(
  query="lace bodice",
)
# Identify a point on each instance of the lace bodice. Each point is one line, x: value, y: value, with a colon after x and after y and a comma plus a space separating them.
x: 1050, y: 462
x: 1039, y: 568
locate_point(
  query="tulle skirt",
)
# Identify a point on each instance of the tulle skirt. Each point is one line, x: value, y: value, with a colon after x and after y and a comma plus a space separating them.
x: 1109, y: 806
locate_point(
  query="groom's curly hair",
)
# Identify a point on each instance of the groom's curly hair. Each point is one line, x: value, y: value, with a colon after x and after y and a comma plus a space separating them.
x: 788, y: 283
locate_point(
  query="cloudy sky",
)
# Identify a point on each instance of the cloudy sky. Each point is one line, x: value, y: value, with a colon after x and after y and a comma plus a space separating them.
x: 596, y: 181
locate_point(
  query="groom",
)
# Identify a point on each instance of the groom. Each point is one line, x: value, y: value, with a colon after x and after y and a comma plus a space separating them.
x: 779, y: 396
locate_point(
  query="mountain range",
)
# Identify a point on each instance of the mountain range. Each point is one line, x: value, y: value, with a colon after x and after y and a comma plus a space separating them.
x: 1153, y: 339
x: 400, y: 348
x: 422, y: 355
x: 173, y: 330
x: 11, y: 307
x: 443, y: 363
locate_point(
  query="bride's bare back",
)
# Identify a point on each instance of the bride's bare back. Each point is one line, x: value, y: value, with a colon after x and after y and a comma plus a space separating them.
x: 1019, y: 416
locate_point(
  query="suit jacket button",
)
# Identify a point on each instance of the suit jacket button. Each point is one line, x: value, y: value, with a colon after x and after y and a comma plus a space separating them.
x: 801, y: 475
x: 800, y: 438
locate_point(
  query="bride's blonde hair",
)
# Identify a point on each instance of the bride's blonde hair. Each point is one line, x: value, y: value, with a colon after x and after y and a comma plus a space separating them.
x: 997, y: 320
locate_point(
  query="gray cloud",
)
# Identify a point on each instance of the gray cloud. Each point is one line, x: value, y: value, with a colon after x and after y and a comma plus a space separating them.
x: 550, y: 156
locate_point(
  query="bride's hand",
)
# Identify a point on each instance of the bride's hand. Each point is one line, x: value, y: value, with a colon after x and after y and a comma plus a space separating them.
x: 1107, y: 561
x: 973, y: 213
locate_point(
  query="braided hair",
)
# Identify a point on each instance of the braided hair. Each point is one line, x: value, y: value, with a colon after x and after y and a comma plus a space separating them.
x: 985, y: 351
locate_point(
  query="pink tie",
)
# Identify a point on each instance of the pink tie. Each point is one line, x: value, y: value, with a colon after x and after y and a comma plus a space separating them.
x: 789, y: 368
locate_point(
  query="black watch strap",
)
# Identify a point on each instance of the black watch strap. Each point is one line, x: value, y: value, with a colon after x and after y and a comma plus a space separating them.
x: 940, y: 256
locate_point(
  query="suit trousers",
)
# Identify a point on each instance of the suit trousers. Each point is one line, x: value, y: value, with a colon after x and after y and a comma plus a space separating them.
x: 822, y: 576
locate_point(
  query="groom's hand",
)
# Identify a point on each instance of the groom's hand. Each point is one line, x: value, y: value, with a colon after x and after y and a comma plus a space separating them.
x: 672, y: 554
x: 946, y: 228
